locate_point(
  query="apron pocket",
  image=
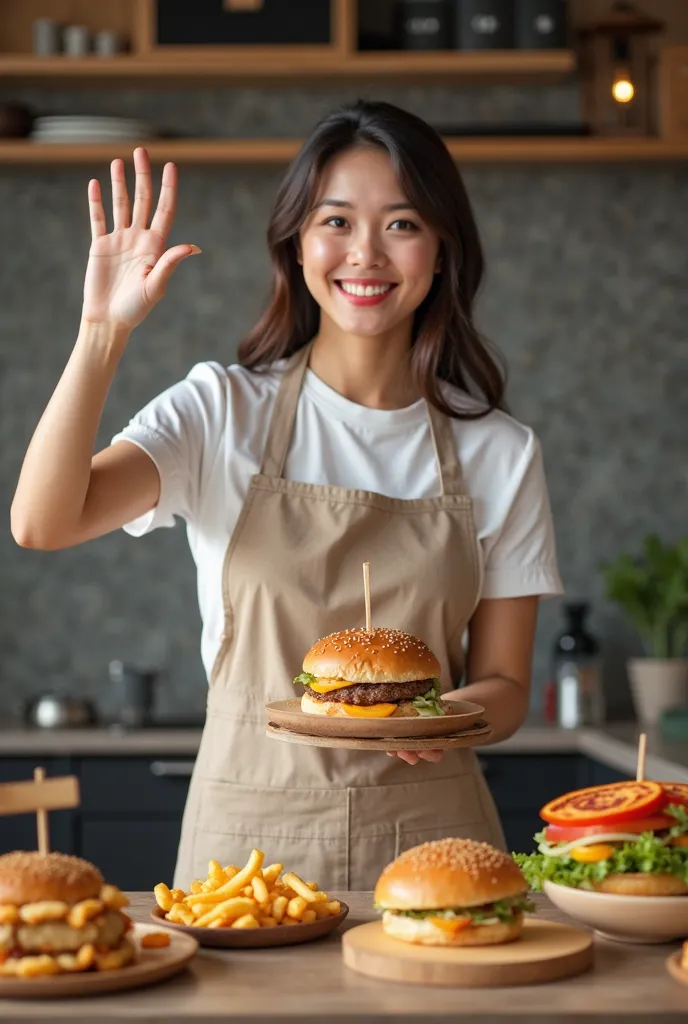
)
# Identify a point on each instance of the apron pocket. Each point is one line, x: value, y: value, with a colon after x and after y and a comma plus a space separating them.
x: 304, y: 829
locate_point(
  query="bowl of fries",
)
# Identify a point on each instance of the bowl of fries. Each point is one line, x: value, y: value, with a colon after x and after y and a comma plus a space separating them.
x: 252, y: 906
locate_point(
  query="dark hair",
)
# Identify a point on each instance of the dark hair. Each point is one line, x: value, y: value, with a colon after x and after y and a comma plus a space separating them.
x: 446, y: 345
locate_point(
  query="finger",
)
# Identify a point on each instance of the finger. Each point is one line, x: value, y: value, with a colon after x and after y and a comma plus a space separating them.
x: 143, y: 192
x: 432, y: 755
x: 408, y: 755
x: 120, y: 196
x: 95, y: 209
x: 167, y: 203
x: 157, y: 280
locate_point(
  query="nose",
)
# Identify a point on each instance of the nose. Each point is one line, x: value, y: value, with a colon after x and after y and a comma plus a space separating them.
x: 365, y: 251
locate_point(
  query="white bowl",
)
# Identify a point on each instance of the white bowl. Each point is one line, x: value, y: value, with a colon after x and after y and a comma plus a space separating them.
x: 624, y: 918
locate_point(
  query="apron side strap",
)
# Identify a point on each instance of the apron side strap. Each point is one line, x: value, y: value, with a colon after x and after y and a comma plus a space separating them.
x: 448, y: 465
x: 283, y: 416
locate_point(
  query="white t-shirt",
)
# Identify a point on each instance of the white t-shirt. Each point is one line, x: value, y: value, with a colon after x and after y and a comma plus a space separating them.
x: 206, y: 436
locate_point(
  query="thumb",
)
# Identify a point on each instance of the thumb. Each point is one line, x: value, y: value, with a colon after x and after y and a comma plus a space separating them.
x: 157, y: 280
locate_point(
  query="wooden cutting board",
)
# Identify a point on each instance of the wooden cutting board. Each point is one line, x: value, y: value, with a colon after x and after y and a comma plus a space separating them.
x: 477, y: 734
x: 545, y: 952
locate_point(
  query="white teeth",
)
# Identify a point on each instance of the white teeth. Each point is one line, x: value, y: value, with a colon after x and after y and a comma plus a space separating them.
x: 365, y: 290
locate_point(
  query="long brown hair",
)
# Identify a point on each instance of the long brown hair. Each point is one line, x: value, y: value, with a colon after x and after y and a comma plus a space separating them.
x: 446, y: 344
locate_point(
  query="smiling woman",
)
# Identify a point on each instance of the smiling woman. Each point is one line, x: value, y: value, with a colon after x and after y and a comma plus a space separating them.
x: 362, y: 422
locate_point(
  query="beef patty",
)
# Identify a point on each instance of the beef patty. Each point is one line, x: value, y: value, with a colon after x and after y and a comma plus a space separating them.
x: 365, y: 694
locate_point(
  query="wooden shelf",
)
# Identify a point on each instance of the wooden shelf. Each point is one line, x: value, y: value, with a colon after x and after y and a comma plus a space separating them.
x: 266, y: 152
x: 387, y: 64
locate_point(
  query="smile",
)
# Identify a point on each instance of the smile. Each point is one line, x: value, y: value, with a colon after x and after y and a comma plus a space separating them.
x: 361, y: 294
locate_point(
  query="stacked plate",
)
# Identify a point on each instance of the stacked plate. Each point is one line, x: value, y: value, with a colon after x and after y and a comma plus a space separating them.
x: 68, y: 128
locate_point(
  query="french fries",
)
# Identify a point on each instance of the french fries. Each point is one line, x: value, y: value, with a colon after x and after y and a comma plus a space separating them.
x: 250, y: 897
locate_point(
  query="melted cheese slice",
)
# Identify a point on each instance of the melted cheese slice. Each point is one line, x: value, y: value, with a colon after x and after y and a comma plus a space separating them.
x: 451, y: 925
x: 373, y: 711
x: 327, y: 685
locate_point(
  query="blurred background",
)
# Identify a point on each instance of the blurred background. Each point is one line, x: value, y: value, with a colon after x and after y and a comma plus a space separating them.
x: 569, y: 122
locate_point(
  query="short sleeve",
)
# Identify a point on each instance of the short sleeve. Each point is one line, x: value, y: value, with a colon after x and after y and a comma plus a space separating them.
x: 520, y: 556
x: 180, y: 431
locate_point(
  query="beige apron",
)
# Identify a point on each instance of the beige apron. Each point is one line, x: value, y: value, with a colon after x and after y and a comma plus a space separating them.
x: 292, y: 574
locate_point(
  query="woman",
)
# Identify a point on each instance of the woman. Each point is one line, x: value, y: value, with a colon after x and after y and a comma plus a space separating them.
x: 363, y: 422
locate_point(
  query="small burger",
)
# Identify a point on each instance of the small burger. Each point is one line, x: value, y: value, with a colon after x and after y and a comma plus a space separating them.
x: 373, y: 674
x: 452, y: 892
x: 57, y: 916
x: 628, y: 838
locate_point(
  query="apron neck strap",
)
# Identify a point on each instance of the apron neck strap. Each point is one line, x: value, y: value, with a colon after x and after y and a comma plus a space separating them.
x: 448, y: 465
x: 284, y: 414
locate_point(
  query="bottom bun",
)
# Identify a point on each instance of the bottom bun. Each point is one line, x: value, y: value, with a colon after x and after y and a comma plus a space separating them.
x: 631, y: 884
x: 332, y: 708
x: 425, y: 932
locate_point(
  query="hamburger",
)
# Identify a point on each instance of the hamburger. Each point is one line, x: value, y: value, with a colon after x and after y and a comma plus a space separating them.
x: 58, y: 916
x: 371, y: 674
x: 453, y: 892
x: 626, y: 838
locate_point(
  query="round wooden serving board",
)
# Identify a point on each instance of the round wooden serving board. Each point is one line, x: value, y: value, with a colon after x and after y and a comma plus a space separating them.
x: 545, y: 952
x: 288, y: 714
x: 151, y: 965
x: 673, y: 966
x: 473, y: 737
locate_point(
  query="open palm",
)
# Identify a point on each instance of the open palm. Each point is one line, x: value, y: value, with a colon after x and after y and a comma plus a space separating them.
x: 129, y: 268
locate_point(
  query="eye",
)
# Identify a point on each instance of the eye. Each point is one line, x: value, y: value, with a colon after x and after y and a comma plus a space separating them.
x: 335, y: 222
x: 403, y: 225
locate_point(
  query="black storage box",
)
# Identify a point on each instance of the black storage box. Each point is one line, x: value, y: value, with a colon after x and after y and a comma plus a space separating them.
x: 424, y: 24
x: 214, y: 23
x: 541, y: 24
x: 484, y: 24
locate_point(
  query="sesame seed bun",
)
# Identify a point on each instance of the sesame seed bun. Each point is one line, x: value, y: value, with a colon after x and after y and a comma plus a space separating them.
x: 448, y: 873
x: 636, y: 884
x: 381, y: 656
x: 331, y: 708
x: 427, y: 933
x: 29, y: 877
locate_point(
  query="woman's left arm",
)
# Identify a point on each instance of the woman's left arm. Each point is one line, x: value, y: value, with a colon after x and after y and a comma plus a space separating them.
x: 499, y: 661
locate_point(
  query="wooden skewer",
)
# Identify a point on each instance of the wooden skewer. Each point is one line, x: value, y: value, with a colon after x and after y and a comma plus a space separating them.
x: 366, y: 591
x: 42, y: 817
x: 642, y: 744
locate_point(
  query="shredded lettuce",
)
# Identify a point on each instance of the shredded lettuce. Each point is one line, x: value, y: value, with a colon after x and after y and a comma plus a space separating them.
x: 305, y: 679
x: 428, y: 704
x: 650, y: 854
x: 505, y: 910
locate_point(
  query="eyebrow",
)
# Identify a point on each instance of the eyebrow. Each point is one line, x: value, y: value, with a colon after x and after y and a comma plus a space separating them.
x: 342, y: 204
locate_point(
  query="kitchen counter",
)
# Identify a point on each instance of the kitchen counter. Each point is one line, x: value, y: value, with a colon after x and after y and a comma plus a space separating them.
x: 615, y: 746
x: 626, y: 983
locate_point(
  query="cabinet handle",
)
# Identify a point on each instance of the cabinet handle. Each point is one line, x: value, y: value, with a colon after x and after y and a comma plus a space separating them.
x: 172, y: 769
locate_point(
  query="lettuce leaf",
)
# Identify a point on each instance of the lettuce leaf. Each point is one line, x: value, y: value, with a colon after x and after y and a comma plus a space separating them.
x: 505, y: 910
x: 649, y: 854
x: 305, y: 679
x: 428, y: 704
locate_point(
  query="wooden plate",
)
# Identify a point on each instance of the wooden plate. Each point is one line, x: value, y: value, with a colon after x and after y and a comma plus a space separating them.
x: 289, y: 715
x: 673, y: 966
x: 546, y: 951
x: 472, y: 737
x: 151, y: 965
x: 255, y: 938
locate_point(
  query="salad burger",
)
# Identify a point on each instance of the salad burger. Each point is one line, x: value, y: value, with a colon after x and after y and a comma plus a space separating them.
x: 628, y: 838
x: 452, y: 892
x: 371, y: 674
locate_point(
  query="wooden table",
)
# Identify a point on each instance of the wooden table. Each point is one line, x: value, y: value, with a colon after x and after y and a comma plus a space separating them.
x: 628, y: 983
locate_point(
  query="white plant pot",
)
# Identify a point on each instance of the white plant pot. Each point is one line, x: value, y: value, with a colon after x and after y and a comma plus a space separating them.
x: 657, y: 684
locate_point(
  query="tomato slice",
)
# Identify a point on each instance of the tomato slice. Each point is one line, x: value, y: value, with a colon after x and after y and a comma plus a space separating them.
x: 605, y: 805
x: 567, y: 833
x: 676, y: 792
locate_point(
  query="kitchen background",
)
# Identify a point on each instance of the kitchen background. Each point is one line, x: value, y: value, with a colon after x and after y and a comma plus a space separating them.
x: 585, y: 296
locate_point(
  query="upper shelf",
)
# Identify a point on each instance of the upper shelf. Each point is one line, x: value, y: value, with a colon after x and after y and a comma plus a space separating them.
x: 385, y: 64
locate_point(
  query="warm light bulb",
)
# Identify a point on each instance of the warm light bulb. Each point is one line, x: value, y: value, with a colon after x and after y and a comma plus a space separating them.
x: 623, y: 90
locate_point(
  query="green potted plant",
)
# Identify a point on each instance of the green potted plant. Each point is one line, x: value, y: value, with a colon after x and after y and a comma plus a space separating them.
x: 653, y: 591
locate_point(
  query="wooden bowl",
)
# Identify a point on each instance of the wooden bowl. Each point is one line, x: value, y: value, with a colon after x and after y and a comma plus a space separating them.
x: 256, y: 938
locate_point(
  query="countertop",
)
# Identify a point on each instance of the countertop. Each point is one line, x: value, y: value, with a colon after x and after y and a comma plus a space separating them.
x: 614, y: 745
x: 626, y: 983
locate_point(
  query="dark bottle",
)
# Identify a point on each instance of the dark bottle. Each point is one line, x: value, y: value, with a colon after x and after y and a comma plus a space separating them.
x: 577, y: 671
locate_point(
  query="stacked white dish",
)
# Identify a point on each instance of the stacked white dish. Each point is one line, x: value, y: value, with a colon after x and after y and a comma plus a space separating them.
x: 71, y: 128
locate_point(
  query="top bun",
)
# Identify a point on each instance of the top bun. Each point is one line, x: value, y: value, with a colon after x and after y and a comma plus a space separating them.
x: 448, y: 873
x: 31, y: 877
x: 378, y: 656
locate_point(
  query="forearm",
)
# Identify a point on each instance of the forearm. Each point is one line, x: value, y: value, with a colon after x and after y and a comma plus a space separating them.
x: 505, y: 702
x: 55, y: 475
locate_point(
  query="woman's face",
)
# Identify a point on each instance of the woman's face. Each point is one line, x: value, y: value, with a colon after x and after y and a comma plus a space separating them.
x: 368, y: 258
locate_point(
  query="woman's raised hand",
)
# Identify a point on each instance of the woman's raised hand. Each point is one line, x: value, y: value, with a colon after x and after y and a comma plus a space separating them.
x: 129, y: 268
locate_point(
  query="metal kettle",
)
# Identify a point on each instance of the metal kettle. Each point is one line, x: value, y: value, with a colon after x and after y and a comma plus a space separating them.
x: 56, y: 711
